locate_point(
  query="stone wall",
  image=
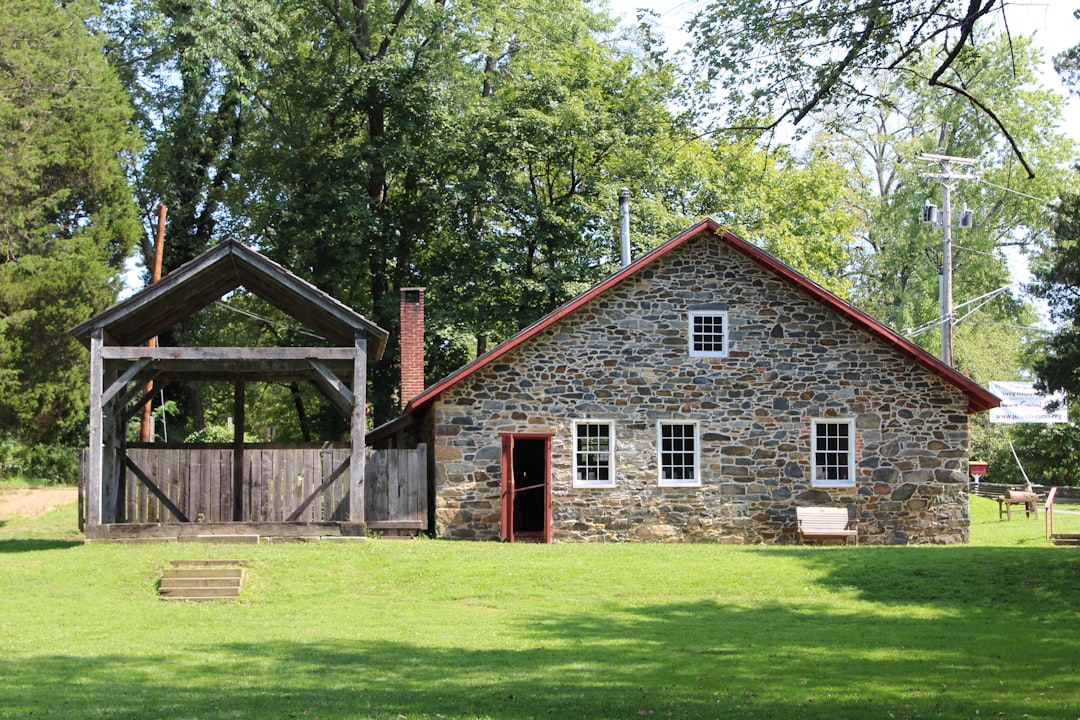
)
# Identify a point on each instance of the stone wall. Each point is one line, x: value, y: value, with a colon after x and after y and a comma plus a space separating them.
x: 624, y: 357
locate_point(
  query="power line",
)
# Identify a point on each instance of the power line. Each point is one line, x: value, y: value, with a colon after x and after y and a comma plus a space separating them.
x: 1025, y: 328
x: 267, y: 320
x: 983, y: 299
x: 984, y: 181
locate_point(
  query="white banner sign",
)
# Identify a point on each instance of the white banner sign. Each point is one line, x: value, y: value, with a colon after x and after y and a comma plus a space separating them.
x: 1021, y: 403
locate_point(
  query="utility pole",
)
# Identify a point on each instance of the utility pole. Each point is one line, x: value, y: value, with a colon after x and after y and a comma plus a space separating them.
x: 146, y: 433
x: 948, y: 178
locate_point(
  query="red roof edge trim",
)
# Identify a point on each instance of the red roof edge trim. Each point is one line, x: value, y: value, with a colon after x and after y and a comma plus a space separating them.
x: 979, y: 399
x: 433, y: 392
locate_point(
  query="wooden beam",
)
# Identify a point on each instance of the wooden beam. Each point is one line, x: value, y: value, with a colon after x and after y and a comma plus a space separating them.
x: 396, y: 525
x: 94, y: 459
x: 121, y: 382
x: 112, y: 468
x: 326, y: 483
x: 132, y: 353
x: 336, y: 391
x: 358, y: 430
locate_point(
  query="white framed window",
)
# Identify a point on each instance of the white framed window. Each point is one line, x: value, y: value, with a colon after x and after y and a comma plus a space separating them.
x: 708, y: 334
x: 594, y: 453
x: 678, y: 456
x: 833, y: 452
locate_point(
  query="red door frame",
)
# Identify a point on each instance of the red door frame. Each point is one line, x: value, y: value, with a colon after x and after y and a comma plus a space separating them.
x: 508, y: 440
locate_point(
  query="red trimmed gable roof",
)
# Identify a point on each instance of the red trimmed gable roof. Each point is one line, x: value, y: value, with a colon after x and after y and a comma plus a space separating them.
x: 979, y: 399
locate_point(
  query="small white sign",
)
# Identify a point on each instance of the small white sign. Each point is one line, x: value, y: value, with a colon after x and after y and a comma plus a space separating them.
x: 1022, y: 403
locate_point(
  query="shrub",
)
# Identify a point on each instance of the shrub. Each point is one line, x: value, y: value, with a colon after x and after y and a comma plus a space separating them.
x: 217, y: 434
x: 1050, y: 453
x: 39, y: 464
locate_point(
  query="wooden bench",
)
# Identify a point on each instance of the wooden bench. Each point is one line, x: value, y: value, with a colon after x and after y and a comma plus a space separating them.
x: 826, y: 523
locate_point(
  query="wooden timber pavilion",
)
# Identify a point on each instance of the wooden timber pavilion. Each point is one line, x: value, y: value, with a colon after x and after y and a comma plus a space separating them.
x: 137, y: 490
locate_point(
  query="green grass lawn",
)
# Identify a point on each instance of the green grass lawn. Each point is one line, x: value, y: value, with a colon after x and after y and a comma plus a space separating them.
x: 429, y: 629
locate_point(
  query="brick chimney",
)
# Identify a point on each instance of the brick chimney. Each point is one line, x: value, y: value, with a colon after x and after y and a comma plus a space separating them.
x: 412, y: 343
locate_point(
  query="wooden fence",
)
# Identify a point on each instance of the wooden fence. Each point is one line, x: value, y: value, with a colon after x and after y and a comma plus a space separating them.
x: 166, y: 483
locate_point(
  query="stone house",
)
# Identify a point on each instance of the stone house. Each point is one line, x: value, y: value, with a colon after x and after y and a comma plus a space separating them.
x: 700, y: 393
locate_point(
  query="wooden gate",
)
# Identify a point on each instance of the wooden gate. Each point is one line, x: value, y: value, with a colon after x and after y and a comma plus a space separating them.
x: 396, y: 497
x: 168, y: 483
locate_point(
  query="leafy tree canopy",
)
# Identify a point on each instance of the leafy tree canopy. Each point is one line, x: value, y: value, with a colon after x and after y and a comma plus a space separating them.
x: 780, y: 60
x: 473, y: 148
x: 67, y: 221
x: 897, y: 261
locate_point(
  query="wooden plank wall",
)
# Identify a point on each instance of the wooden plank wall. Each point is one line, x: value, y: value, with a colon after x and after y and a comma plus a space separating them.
x: 397, y: 486
x: 277, y: 481
x: 197, y: 480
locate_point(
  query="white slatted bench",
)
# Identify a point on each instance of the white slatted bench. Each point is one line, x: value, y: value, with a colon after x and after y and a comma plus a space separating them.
x: 826, y: 523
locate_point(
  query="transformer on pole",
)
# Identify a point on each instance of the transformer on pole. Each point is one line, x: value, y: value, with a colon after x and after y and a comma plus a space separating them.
x: 948, y: 178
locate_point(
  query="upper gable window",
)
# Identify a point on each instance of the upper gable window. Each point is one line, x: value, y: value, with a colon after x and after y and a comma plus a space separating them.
x: 708, y: 334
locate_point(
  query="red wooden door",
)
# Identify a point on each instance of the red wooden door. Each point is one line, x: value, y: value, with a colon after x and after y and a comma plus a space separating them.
x: 526, y: 488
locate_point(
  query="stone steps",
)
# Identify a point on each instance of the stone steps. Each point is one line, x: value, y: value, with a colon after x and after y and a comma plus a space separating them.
x: 201, y: 580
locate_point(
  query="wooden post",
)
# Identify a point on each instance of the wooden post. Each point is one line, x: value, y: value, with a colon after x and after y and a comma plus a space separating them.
x: 111, y: 464
x: 358, y: 431
x: 94, y: 461
x: 238, y: 452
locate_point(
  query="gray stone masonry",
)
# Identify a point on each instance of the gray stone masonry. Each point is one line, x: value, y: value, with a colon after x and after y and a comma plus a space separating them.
x: 624, y: 357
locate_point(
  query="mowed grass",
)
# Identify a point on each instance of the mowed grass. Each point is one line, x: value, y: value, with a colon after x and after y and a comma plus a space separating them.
x: 430, y: 629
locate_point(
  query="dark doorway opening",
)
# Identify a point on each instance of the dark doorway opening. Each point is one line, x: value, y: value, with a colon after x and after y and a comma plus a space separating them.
x: 526, y: 488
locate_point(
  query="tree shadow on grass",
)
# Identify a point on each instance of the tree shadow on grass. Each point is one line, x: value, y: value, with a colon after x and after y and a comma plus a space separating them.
x: 697, y: 659
x: 1032, y: 581
x: 920, y: 632
x: 31, y: 545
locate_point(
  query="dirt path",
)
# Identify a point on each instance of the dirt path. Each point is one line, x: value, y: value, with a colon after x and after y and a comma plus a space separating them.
x: 31, y: 502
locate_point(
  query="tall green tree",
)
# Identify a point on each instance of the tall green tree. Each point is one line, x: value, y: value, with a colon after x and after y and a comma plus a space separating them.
x: 1050, y: 452
x: 472, y: 148
x: 475, y: 148
x: 1057, y: 274
x: 898, y: 261
x: 190, y: 68
x: 775, y: 61
x: 563, y: 119
x: 67, y: 220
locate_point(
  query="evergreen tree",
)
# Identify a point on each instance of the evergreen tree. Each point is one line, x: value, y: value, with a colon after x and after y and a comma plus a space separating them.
x: 67, y: 221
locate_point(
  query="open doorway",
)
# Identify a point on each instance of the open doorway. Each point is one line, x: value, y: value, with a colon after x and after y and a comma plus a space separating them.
x: 526, y: 485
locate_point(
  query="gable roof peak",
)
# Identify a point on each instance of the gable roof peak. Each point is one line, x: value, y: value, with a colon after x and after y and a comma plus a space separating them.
x: 979, y: 399
x: 217, y: 272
